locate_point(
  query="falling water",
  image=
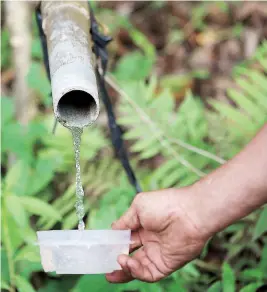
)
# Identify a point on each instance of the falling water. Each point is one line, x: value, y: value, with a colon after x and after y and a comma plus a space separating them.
x: 76, y: 134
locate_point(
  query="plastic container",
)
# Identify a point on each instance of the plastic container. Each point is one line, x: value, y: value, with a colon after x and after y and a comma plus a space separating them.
x: 82, y: 252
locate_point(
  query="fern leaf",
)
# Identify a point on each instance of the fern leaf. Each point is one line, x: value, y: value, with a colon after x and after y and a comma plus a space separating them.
x: 144, y: 144
x: 151, y: 121
x: 255, y: 93
x: 151, y: 151
x: 241, y: 123
x: 259, y: 80
x: 251, y: 109
x: 163, y: 170
x: 188, y: 180
x: 235, y: 116
x: 133, y: 133
x: 173, y: 178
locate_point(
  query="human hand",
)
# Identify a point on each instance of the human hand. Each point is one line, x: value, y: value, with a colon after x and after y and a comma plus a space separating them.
x: 165, y: 232
x: 170, y: 227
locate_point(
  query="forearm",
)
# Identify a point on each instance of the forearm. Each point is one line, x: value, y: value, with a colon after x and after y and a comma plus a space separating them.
x: 235, y: 189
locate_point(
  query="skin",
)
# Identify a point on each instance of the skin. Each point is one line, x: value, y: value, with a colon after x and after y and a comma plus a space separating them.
x: 170, y: 227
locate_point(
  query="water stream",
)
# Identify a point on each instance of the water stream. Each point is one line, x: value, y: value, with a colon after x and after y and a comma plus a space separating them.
x: 76, y: 135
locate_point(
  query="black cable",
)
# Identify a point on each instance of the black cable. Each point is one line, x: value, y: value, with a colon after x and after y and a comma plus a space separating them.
x: 38, y: 16
x: 116, y: 134
x: 42, y: 36
x: 99, y: 48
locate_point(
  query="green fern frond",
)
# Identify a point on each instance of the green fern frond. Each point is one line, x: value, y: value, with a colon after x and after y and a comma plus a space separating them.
x: 250, y: 114
x: 255, y: 88
x: 240, y: 123
x: 156, y: 128
x: 171, y: 174
x: 261, y: 55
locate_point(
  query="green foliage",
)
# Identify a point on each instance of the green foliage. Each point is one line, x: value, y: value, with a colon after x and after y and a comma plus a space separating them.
x: 38, y: 81
x: 23, y: 285
x: 238, y: 124
x: 110, y: 207
x: 261, y: 227
x: 24, y: 180
x: 17, y: 231
x: 189, y: 140
x: 5, y: 48
x: 228, y: 278
x: 98, y: 282
x: 59, y: 146
x: 131, y: 63
x: 176, y: 83
x: 251, y: 287
x: 156, y: 128
x: 15, y: 137
x: 216, y: 287
x: 143, y: 57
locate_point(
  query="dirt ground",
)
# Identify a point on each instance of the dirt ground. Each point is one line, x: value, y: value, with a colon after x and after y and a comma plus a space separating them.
x: 192, y: 36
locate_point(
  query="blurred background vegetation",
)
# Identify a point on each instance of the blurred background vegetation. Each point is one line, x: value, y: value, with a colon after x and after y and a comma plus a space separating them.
x: 191, y: 92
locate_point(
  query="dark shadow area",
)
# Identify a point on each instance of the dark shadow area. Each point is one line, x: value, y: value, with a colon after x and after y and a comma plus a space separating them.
x: 77, y: 108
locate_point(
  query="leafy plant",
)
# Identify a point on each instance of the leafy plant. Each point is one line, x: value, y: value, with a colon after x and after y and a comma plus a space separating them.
x: 132, y: 62
x: 183, y: 142
x: 156, y: 128
x: 228, y: 278
x: 248, y: 116
x: 23, y: 181
x: 17, y: 234
x: 261, y: 227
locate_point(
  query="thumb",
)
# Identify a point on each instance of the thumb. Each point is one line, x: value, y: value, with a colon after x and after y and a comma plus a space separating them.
x: 129, y: 220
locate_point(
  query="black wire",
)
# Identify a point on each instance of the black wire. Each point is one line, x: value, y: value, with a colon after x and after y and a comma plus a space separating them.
x: 116, y: 134
x: 100, y: 42
x: 38, y: 16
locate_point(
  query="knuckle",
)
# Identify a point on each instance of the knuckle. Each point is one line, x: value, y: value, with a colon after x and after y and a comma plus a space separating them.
x: 138, y: 198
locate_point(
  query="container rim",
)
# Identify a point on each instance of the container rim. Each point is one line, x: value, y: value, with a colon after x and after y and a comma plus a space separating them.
x: 77, y: 243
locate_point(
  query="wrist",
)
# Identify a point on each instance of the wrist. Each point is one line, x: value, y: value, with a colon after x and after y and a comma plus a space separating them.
x: 215, y: 210
x: 188, y: 212
x: 227, y: 195
x: 232, y: 191
x: 205, y: 208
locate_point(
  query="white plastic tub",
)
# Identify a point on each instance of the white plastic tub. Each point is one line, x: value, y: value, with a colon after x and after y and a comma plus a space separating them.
x: 82, y: 252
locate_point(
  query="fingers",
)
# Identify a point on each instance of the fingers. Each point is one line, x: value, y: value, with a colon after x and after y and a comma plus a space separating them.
x: 122, y: 276
x: 141, y: 267
x: 137, y: 267
x: 129, y: 220
x: 119, y: 277
x: 136, y: 241
x: 125, y: 276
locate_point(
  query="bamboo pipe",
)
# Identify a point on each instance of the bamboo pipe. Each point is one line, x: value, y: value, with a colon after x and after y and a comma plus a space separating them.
x: 74, y: 87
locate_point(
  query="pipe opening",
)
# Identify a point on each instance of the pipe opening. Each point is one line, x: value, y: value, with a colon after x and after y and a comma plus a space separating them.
x: 77, y: 108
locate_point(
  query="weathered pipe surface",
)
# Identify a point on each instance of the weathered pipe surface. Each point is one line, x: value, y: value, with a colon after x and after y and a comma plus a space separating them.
x: 74, y: 87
